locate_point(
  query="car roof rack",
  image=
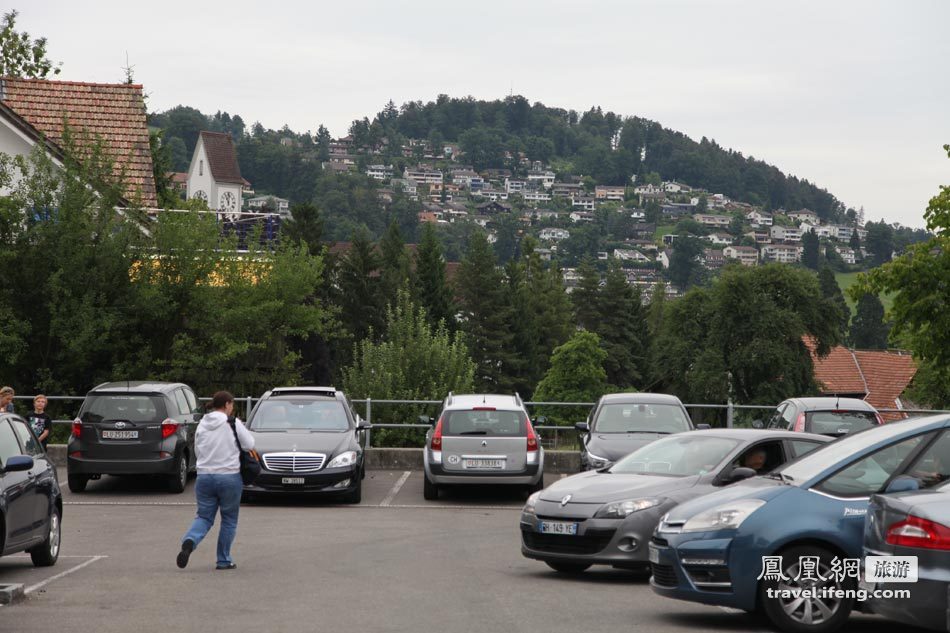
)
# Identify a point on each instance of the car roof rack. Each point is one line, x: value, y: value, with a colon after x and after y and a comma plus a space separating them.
x: 331, y: 391
x: 448, y: 400
x: 518, y: 400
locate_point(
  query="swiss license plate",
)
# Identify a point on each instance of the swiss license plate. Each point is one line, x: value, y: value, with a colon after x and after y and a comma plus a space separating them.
x: 292, y: 480
x: 120, y: 435
x: 557, y: 527
x: 654, y: 555
x: 484, y: 464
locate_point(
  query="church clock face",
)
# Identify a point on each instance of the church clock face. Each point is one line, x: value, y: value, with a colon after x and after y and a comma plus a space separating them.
x: 200, y: 195
x: 228, y: 202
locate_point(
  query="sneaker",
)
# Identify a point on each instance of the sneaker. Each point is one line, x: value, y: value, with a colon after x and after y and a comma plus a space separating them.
x: 187, y: 547
x: 227, y: 566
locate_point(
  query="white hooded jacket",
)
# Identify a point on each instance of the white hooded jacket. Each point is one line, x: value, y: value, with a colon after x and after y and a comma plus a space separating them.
x: 217, y: 454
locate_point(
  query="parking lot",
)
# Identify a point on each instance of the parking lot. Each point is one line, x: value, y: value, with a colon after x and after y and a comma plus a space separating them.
x: 393, y: 563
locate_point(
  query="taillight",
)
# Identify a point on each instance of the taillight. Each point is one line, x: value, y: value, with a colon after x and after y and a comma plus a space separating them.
x: 799, y: 423
x: 917, y: 532
x: 437, y: 436
x: 169, y: 428
x: 77, y: 427
x: 532, y: 438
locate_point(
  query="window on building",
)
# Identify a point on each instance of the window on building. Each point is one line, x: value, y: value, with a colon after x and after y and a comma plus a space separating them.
x: 201, y: 168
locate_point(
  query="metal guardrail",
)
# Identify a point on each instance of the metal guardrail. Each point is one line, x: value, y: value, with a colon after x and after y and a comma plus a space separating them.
x: 729, y: 408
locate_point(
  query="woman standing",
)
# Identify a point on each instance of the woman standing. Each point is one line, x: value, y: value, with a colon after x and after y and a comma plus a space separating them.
x: 219, y: 485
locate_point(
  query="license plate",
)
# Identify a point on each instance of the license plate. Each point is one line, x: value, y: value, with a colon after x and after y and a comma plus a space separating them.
x: 654, y: 555
x: 557, y: 527
x: 484, y: 464
x: 292, y: 480
x: 120, y: 435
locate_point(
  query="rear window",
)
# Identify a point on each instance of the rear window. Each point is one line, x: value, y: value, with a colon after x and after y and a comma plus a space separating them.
x: 838, y: 422
x: 484, y: 422
x: 641, y: 418
x: 300, y: 413
x: 128, y: 407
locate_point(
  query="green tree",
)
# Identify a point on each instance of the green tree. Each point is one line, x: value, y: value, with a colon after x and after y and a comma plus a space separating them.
x: 868, y: 328
x: 395, y: 269
x: 622, y: 329
x: 305, y: 227
x: 20, y: 54
x: 361, y: 302
x: 810, y: 250
x: 879, y: 242
x: 486, y: 317
x: 431, y: 287
x: 584, y: 296
x: 832, y: 291
x: 918, y: 280
x: 576, y: 374
x: 685, y: 268
x: 413, y: 361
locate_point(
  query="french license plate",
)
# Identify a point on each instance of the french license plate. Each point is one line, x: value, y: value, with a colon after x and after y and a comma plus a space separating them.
x: 654, y: 555
x: 120, y: 435
x: 292, y: 480
x: 557, y: 527
x: 484, y: 464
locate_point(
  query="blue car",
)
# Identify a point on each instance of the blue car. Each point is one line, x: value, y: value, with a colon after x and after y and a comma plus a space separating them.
x: 757, y: 544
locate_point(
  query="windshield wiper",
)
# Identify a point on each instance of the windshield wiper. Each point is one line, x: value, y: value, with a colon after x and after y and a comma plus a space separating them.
x: 651, y: 432
x: 474, y: 433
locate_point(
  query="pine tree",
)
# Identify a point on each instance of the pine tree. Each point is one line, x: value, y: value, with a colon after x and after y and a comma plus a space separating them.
x: 361, y: 305
x: 431, y: 288
x: 868, y: 329
x: 394, y: 264
x: 622, y: 330
x: 306, y: 226
x: 485, y: 315
x: 810, y: 250
x: 547, y: 308
x: 831, y: 290
x: 584, y: 296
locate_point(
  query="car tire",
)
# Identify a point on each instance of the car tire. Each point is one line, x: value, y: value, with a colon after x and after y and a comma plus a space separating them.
x: 567, y: 568
x: 430, y: 492
x: 356, y: 495
x: 77, y: 483
x: 46, y: 553
x: 794, y: 617
x: 178, y: 481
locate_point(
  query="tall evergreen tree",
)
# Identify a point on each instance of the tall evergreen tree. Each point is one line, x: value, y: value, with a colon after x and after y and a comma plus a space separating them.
x: 395, y: 271
x: 485, y: 315
x: 431, y: 288
x: 879, y: 242
x: 361, y: 304
x: 305, y: 227
x: 811, y: 252
x: 868, y: 329
x: 832, y: 291
x: 584, y: 296
x: 622, y: 330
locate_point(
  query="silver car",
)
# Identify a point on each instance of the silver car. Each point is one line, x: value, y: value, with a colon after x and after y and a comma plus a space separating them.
x: 482, y: 439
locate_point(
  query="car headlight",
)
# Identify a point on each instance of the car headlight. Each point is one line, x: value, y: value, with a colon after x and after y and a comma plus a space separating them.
x: 343, y: 459
x: 727, y: 517
x: 596, y: 461
x: 531, y: 502
x: 621, y: 509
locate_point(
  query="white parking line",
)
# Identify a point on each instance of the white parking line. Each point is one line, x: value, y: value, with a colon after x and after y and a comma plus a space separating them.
x: 392, y: 493
x: 42, y: 584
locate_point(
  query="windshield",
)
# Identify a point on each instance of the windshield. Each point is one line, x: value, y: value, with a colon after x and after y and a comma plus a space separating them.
x: 838, y: 422
x: 484, y: 422
x: 678, y: 456
x: 632, y: 418
x: 819, y: 460
x: 300, y: 413
x: 130, y: 408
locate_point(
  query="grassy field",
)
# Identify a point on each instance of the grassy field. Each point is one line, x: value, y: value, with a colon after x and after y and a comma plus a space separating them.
x: 663, y: 229
x: 846, y: 280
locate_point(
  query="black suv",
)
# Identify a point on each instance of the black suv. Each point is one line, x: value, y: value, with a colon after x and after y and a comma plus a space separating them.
x: 309, y: 442
x: 134, y: 428
x: 31, y: 505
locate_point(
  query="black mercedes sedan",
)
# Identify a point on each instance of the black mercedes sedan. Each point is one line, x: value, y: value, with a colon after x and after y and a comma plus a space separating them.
x: 607, y: 517
x: 309, y: 442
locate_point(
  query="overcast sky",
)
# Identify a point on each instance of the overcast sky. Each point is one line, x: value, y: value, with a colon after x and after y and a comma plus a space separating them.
x: 853, y: 96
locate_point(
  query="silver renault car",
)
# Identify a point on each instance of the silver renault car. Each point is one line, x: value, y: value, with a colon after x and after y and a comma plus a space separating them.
x: 482, y: 439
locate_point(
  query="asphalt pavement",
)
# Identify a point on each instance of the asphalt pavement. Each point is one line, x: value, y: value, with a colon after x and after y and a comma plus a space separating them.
x: 393, y: 563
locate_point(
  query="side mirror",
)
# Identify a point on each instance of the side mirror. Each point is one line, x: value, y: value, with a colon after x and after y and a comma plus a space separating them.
x: 583, y: 427
x: 758, y: 424
x: 539, y: 420
x: 18, y: 463
x: 702, y: 427
x: 740, y: 473
x: 904, y: 483
x: 362, y: 425
x: 425, y: 419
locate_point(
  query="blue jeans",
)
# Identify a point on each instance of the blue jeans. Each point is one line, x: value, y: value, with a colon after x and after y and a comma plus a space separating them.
x: 215, y: 492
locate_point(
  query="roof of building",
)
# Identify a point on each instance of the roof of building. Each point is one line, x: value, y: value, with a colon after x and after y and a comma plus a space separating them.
x: 222, y: 157
x: 112, y: 113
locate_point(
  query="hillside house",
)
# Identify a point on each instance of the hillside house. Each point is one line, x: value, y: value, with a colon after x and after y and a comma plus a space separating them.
x: 804, y: 215
x: 581, y: 216
x: 847, y: 254
x: 493, y: 207
x: 543, y: 178
x: 745, y: 255
x: 712, y: 259
x: 781, y: 253
x: 675, y: 187
x: 380, y: 172
x: 785, y: 233
x: 603, y: 192
x: 713, y: 221
x: 583, y: 202
x: 719, y: 239
x: 630, y: 255
x: 423, y: 176
x: 759, y: 219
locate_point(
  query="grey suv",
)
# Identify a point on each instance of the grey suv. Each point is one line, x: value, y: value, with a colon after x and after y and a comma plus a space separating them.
x: 134, y: 428
x: 482, y: 439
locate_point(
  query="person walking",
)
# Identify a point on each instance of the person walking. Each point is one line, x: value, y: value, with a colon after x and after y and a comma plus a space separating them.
x: 219, y: 485
x: 6, y: 399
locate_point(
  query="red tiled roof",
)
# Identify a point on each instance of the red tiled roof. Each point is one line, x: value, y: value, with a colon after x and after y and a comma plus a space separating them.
x: 222, y: 157
x: 179, y: 177
x: 114, y: 113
